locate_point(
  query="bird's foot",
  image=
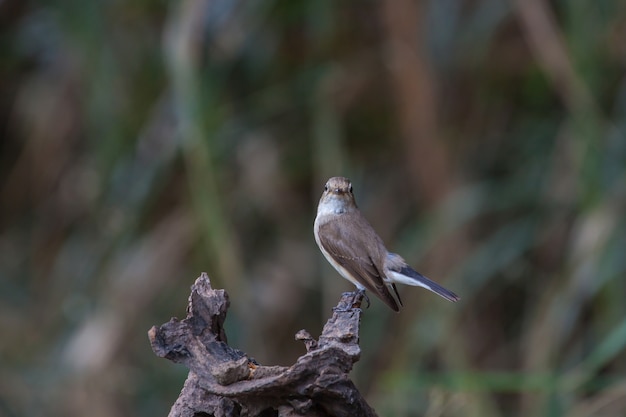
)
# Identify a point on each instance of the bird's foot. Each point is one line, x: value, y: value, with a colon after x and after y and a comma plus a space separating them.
x: 351, y: 300
x: 360, y: 294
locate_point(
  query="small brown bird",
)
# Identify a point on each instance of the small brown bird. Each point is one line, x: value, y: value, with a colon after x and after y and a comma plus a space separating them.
x: 356, y: 251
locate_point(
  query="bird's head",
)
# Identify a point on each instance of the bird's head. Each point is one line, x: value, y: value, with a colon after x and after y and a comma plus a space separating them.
x: 337, y: 195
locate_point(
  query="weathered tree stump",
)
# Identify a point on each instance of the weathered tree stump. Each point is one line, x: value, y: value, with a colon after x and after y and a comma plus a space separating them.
x: 224, y: 381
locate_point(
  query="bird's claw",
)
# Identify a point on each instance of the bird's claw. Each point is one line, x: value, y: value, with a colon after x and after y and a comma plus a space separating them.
x: 361, y: 293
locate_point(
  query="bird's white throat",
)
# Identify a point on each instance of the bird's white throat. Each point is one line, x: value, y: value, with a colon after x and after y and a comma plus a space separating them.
x: 331, y: 205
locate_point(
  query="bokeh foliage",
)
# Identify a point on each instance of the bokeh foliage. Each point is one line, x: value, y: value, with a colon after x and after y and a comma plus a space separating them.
x: 146, y: 141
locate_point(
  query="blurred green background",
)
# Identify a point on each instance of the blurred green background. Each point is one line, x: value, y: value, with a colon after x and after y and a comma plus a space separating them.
x: 144, y: 142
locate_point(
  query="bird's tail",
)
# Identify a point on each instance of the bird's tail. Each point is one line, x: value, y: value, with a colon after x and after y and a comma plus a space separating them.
x: 409, y: 276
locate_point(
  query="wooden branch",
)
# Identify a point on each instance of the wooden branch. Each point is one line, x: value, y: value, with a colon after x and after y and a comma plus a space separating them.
x: 224, y: 381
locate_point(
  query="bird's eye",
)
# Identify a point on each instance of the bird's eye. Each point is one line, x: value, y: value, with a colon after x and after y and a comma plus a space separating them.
x: 350, y: 189
x: 326, y: 188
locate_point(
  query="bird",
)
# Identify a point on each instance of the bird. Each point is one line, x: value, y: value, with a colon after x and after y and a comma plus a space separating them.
x: 352, y: 246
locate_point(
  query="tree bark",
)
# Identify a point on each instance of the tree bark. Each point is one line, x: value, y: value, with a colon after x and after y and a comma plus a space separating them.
x: 224, y: 381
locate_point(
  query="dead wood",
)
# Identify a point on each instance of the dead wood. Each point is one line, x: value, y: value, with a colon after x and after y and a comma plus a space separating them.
x: 224, y: 381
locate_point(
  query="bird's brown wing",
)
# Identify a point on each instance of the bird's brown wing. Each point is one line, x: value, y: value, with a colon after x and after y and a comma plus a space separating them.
x: 362, y: 258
